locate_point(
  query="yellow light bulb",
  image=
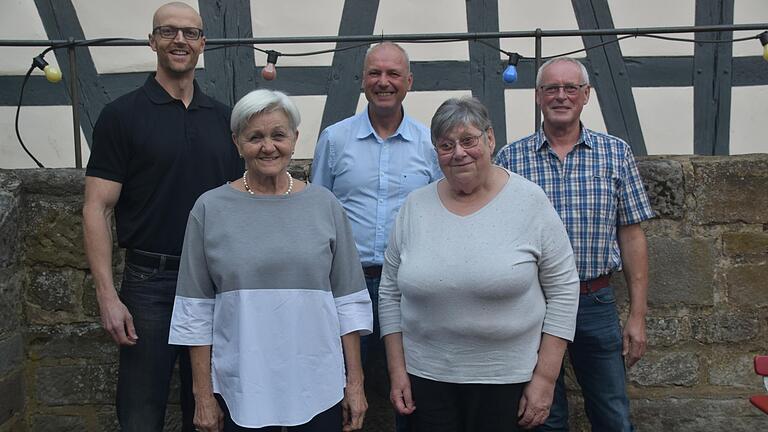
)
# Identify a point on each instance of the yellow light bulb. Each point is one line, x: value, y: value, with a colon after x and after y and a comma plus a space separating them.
x: 52, y: 74
x: 763, y: 37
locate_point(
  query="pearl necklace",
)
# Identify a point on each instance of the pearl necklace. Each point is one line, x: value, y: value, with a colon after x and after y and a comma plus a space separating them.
x: 248, y: 189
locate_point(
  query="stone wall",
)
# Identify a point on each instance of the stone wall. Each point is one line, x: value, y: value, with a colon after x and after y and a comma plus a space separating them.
x: 12, y: 382
x: 708, y: 304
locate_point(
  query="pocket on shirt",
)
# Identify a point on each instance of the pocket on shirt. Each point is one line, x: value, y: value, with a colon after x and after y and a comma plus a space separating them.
x: 409, y: 183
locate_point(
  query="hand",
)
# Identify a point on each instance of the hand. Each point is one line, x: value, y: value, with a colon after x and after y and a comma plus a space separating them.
x: 353, y: 407
x: 536, y: 401
x: 634, y: 339
x: 400, y: 393
x: 208, y: 414
x: 116, y: 320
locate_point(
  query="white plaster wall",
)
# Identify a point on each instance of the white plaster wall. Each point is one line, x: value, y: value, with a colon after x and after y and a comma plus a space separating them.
x: 135, y: 22
x: 19, y: 20
x: 749, y: 12
x: 311, y: 110
x: 667, y: 129
x: 654, y: 13
x: 749, y: 115
x: 47, y: 133
x: 288, y: 18
x: 425, y: 16
x: 544, y: 14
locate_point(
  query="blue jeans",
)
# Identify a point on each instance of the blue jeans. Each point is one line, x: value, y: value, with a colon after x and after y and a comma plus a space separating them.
x: 145, y: 370
x: 599, y: 366
x: 367, y: 343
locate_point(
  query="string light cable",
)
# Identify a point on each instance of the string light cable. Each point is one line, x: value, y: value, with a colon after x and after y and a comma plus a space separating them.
x: 53, y: 75
x: 269, y: 72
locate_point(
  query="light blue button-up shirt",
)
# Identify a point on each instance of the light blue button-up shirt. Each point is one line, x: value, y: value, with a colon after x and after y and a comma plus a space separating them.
x: 372, y: 176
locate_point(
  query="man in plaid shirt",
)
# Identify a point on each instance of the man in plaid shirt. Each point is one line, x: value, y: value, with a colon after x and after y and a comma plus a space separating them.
x: 593, y: 183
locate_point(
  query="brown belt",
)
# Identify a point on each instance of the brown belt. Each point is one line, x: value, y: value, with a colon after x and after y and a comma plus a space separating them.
x: 372, y: 271
x: 592, y: 285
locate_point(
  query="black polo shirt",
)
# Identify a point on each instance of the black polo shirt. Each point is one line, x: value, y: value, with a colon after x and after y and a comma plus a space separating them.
x: 165, y: 155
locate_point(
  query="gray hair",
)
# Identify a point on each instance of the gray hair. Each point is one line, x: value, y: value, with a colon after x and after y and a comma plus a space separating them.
x: 455, y: 112
x: 584, y: 74
x: 374, y: 47
x: 263, y: 101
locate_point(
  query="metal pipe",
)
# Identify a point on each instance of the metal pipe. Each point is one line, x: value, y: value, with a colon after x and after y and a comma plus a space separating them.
x: 75, y: 95
x: 536, y: 66
x: 418, y: 36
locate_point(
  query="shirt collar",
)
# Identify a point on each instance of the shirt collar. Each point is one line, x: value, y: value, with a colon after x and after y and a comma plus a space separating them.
x: 159, y: 96
x: 366, y: 128
x: 584, y: 137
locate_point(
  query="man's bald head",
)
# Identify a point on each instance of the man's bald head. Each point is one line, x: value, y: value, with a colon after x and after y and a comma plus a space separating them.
x: 174, y: 8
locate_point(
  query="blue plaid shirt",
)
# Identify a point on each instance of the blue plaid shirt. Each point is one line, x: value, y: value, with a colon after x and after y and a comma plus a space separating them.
x: 594, y: 189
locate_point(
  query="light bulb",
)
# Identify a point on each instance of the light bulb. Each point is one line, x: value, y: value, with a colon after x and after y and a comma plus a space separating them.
x: 269, y: 72
x: 52, y: 73
x: 510, y: 73
x: 764, y: 41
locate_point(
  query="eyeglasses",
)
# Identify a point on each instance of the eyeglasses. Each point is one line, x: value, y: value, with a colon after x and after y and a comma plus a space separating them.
x: 445, y: 147
x: 570, y: 89
x: 170, y: 32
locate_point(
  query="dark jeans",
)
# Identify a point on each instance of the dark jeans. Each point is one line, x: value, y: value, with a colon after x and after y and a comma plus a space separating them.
x: 145, y: 370
x: 596, y: 358
x: 370, y: 342
x: 329, y: 420
x: 449, y: 407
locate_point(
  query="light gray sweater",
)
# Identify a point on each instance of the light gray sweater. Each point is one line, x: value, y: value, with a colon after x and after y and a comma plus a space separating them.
x: 473, y: 294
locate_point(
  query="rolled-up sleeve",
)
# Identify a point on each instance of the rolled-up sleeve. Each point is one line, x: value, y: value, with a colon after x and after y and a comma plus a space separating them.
x: 353, y: 303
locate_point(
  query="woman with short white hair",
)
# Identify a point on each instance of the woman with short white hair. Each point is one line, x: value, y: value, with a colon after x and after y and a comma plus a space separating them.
x: 271, y: 298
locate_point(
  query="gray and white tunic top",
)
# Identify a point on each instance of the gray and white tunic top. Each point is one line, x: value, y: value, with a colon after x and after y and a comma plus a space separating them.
x: 272, y: 283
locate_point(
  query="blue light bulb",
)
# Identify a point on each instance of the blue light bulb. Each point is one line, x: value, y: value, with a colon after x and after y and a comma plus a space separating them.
x: 510, y: 73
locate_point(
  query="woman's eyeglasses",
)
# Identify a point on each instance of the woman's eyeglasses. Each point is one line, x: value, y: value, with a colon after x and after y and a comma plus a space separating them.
x: 467, y: 142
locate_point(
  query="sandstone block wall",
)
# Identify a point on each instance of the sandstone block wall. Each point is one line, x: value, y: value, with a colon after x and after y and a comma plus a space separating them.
x: 708, y: 304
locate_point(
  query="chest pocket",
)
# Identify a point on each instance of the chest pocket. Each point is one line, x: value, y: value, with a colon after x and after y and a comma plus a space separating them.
x: 601, y: 186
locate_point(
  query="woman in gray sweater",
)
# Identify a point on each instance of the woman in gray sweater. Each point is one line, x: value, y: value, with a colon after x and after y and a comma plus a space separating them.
x: 271, y: 297
x: 479, y: 290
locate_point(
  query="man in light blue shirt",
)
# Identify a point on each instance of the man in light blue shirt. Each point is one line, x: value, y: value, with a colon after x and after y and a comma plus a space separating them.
x: 372, y: 160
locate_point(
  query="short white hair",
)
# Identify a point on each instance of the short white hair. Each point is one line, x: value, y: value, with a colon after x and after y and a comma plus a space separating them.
x: 263, y: 101
x: 374, y: 47
x: 584, y: 74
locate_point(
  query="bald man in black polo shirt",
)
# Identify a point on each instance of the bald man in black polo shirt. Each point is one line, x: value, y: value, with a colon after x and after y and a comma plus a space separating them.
x: 154, y: 151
